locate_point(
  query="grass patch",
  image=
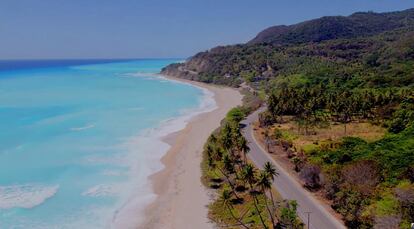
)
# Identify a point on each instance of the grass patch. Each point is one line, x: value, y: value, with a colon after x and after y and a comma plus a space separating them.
x: 221, y: 215
x: 324, y: 135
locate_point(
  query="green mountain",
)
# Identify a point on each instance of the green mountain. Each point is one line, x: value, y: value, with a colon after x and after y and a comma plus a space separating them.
x: 328, y: 28
x: 375, y: 49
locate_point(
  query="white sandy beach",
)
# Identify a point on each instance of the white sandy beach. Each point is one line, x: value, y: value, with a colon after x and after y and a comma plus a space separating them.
x: 182, y: 199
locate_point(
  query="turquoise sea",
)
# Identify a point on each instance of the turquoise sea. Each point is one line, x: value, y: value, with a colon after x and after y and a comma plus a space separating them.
x: 78, y: 140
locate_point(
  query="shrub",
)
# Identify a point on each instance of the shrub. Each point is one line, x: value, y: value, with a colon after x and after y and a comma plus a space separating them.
x: 389, y: 222
x: 401, y: 120
x: 362, y: 175
x: 350, y: 204
x: 278, y: 134
x: 235, y: 115
x: 310, y: 174
x: 266, y: 119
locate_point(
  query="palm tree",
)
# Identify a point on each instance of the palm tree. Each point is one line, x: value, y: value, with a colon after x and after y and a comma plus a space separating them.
x: 228, y: 169
x: 225, y: 198
x: 265, y: 184
x: 272, y: 105
x: 256, y: 201
x: 243, y: 147
x: 212, y: 164
x: 240, y: 146
x: 226, y: 137
x: 271, y: 172
x: 249, y: 175
x: 213, y: 159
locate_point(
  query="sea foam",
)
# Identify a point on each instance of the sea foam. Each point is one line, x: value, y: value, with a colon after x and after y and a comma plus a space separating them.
x: 103, y: 190
x: 82, y: 127
x: 131, y: 211
x: 25, y: 196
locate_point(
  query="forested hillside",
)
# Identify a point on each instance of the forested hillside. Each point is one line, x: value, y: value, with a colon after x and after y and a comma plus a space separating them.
x: 328, y: 28
x: 379, y: 60
x: 327, y: 72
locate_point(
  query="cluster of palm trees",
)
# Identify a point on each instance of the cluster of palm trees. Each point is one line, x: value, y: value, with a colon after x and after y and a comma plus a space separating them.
x: 226, y: 156
x: 311, y: 105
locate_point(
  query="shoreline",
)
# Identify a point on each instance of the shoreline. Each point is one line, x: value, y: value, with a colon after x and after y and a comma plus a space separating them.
x: 181, y: 199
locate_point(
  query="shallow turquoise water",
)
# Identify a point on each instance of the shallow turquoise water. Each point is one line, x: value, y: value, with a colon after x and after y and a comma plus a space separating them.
x: 78, y: 142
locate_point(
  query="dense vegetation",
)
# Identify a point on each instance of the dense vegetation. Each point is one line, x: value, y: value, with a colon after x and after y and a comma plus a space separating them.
x: 246, y: 198
x: 328, y: 71
x: 379, y: 61
x: 356, y: 175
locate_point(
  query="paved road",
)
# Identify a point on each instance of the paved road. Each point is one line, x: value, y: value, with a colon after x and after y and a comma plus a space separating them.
x: 287, y: 186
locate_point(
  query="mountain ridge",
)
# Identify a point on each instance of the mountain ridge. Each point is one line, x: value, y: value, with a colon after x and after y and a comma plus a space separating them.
x: 335, y: 27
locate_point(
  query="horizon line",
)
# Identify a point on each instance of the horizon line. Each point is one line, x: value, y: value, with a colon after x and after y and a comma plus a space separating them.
x: 138, y: 58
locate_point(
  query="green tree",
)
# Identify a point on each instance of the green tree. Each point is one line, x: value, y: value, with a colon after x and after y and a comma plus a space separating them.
x: 265, y: 185
x: 235, y: 115
x: 271, y: 172
x: 225, y: 198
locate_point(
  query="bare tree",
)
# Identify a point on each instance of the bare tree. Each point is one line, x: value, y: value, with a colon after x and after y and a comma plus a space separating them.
x: 387, y: 222
x: 310, y: 174
x: 362, y: 175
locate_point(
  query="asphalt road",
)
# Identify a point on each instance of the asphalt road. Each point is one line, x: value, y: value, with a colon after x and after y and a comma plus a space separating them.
x: 288, y: 187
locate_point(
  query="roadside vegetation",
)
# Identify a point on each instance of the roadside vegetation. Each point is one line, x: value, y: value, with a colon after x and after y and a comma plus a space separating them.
x: 361, y: 172
x: 244, y: 194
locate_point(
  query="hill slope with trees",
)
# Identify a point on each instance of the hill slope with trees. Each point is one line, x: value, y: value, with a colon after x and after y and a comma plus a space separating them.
x: 336, y: 27
x: 327, y: 72
x: 385, y: 57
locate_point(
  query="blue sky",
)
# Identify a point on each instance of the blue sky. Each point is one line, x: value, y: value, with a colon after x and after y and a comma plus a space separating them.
x: 42, y: 29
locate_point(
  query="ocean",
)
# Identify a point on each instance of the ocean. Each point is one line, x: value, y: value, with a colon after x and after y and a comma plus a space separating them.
x: 78, y: 139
